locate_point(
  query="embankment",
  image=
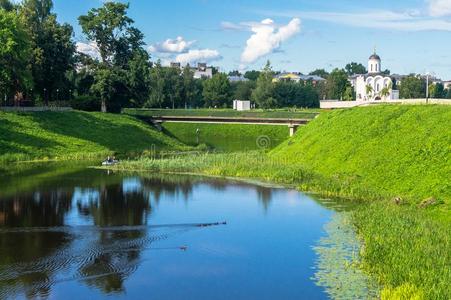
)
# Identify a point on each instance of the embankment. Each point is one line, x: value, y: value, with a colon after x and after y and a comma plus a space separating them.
x: 75, y: 134
x: 228, y: 137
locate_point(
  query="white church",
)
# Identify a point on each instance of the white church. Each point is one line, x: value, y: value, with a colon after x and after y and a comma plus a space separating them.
x: 374, y: 85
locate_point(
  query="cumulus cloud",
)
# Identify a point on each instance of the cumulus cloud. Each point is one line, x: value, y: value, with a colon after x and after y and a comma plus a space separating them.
x: 89, y: 49
x: 179, y: 45
x: 198, y: 55
x: 268, y: 37
x: 439, y: 8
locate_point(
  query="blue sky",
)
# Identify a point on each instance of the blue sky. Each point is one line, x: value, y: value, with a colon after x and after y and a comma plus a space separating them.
x: 295, y: 35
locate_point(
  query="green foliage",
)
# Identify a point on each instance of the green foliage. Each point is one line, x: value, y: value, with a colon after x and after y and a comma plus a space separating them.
x: 216, y: 91
x: 15, y: 53
x: 289, y: 94
x: 320, y: 72
x: 437, y: 90
x: 412, y: 87
x: 53, y: 48
x: 263, y: 94
x: 355, y: 68
x: 252, y: 75
x: 337, y: 83
x: 63, y: 135
x: 242, y: 90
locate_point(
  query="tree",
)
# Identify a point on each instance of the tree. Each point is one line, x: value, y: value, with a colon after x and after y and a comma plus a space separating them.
x: 348, y: 94
x: 252, y: 75
x: 369, y: 90
x: 385, y: 92
x: 242, y: 90
x: 118, y: 43
x: 7, y: 5
x: 263, y: 94
x: 336, y: 85
x: 234, y: 73
x: 320, y: 72
x: 15, y: 54
x: 437, y: 90
x: 355, y: 68
x: 216, y: 90
x: 412, y: 87
x: 53, y: 48
x: 157, y: 96
x: 138, y: 77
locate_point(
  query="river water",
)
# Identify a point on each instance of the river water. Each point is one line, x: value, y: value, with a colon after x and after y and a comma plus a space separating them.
x: 70, y: 232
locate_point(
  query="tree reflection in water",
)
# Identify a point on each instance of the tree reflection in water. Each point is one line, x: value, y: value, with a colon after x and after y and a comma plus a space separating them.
x: 39, y: 249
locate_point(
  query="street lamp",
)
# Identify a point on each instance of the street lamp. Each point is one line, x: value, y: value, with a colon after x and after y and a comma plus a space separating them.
x: 45, y: 99
x: 427, y: 87
x: 57, y: 92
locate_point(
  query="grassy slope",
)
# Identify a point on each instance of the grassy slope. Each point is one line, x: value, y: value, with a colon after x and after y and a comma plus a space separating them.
x: 40, y: 135
x: 258, y: 113
x: 227, y: 136
x: 391, y: 150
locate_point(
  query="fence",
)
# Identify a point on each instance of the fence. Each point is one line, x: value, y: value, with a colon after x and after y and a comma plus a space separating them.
x: 34, y: 108
x: 329, y: 104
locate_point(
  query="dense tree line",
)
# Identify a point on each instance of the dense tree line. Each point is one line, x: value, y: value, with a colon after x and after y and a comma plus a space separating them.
x: 39, y: 65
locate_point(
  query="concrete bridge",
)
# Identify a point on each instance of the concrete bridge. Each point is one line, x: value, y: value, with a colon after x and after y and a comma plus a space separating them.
x: 292, y: 124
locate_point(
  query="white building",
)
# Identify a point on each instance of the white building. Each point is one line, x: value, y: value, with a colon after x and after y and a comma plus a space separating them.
x: 374, y: 85
x: 202, y: 71
x: 241, y: 105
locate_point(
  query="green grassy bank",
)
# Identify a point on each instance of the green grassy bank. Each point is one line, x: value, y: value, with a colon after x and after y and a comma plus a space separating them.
x: 374, y: 154
x: 256, y: 113
x: 75, y: 134
x: 228, y: 137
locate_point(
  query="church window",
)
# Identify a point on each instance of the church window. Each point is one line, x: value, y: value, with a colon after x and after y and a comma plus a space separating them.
x: 377, y: 87
x: 376, y: 68
x: 371, y: 68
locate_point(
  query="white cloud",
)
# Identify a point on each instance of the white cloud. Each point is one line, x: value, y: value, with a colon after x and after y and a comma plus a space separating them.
x: 179, y: 45
x: 198, y: 55
x: 439, y: 8
x: 268, y: 37
x: 90, y: 49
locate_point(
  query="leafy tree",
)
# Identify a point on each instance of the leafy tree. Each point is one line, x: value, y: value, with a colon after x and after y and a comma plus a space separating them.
x: 7, y: 5
x: 234, y: 73
x: 242, y: 90
x: 138, y: 78
x: 448, y: 93
x: 320, y: 72
x: 263, y: 94
x: 174, y: 87
x: 369, y: 90
x: 348, y: 94
x: 252, y: 75
x: 355, y: 68
x: 216, y: 90
x: 412, y: 87
x: 53, y: 48
x: 385, y: 92
x: 437, y: 90
x: 190, y: 89
x: 386, y: 72
x: 157, y: 95
x: 15, y: 53
x: 119, y: 43
x: 337, y: 83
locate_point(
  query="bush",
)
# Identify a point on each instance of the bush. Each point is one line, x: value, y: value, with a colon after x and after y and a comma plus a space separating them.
x: 86, y: 102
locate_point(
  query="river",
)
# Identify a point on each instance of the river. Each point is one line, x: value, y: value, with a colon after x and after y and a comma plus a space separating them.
x: 71, y: 232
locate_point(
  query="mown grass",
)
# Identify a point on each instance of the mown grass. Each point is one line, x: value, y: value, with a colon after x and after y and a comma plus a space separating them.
x: 76, y: 135
x: 228, y: 137
x: 374, y: 154
x: 257, y: 113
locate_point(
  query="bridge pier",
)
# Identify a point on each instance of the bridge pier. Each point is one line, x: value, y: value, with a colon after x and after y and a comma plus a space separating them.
x: 293, y: 129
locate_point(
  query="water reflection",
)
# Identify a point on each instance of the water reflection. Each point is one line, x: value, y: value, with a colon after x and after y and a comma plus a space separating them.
x: 91, y: 229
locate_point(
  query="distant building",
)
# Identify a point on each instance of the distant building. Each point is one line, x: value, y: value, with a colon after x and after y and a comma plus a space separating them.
x: 297, y: 77
x: 241, y: 105
x: 236, y: 78
x: 202, y: 71
x: 374, y: 85
x: 175, y: 65
x: 447, y: 84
